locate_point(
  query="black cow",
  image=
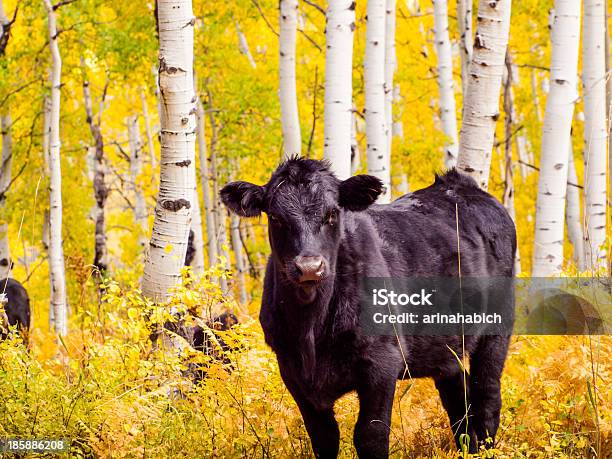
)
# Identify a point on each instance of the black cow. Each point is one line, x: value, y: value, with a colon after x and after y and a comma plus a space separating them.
x: 326, y: 236
x: 16, y: 308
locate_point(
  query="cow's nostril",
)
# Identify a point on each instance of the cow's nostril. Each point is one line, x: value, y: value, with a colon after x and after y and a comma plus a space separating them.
x: 310, y: 268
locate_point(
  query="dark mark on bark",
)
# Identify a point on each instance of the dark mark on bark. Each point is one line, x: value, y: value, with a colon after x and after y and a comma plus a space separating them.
x: 175, y: 206
x: 185, y: 163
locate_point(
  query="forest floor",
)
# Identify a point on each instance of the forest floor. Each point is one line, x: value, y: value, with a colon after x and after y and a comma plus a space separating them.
x: 112, y: 394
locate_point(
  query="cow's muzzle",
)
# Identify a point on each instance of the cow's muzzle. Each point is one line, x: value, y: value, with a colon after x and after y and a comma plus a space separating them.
x: 310, y: 268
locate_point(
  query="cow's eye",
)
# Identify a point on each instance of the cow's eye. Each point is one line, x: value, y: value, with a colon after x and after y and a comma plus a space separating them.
x: 331, y: 218
x: 274, y: 220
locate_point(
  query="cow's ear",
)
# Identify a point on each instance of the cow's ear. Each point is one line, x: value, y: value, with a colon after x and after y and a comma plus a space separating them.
x: 359, y: 192
x: 243, y: 198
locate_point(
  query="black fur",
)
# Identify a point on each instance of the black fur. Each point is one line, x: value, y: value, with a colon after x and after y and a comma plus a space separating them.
x: 17, y: 309
x: 313, y: 327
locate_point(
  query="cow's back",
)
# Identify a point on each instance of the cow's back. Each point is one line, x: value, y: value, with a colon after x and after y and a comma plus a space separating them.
x: 420, y: 231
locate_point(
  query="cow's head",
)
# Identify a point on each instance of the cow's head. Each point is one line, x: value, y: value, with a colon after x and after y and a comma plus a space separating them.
x: 305, y: 204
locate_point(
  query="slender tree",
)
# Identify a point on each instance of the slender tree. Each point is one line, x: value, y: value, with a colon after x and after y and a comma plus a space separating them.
x: 100, y: 189
x: 290, y: 120
x: 595, y: 132
x: 140, y: 204
x: 211, y: 235
x: 448, y: 114
x: 464, y: 21
x: 197, y: 264
x: 481, y: 103
x: 339, y: 85
x: 374, y: 76
x: 56, y: 255
x: 390, y: 66
x: 243, y: 45
x: 509, y: 115
x: 355, y: 152
x: 5, y: 182
x: 148, y: 130
x: 572, y: 214
x: 165, y: 257
x: 239, y: 272
x: 552, y: 184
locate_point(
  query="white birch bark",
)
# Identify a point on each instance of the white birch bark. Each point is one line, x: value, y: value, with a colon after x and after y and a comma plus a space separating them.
x: 404, y: 186
x: 448, y: 114
x: 5, y: 181
x: 140, y: 204
x: 535, y: 95
x: 464, y: 22
x: 338, y: 101
x: 595, y: 133
x: 148, y: 130
x: 99, y: 185
x: 572, y: 214
x: 552, y: 184
x: 197, y: 264
x: 213, y: 251
x: 374, y: 77
x: 355, y: 152
x: 243, y: 45
x: 290, y: 120
x: 166, y: 255
x: 56, y: 256
x: 509, y: 189
x: 239, y: 273
x: 481, y: 104
x: 390, y: 66
x: 46, y: 132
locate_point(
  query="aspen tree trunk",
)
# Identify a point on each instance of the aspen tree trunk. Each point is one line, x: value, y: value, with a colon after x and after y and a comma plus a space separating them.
x: 390, y: 66
x: 213, y: 251
x: 509, y: 167
x: 572, y: 214
x: 219, y: 209
x: 534, y: 93
x: 404, y: 187
x: 609, y: 113
x: 521, y: 140
x: 46, y: 132
x: 448, y: 114
x: 140, y: 204
x: 290, y: 120
x: 595, y: 133
x: 7, y: 159
x: 166, y: 255
x: 100, y: 189
x: 355, y: 152
x: 464, y: 21
x: 338, y: 101
x: 244, y: 46
x: 197, y: 264
x: 148, y: 130
x: 56, y: 255
x: 5, y: 181
x: 238, y: 258
x: 374, y: 76
x: 481, y: 104
x: 552, y: 184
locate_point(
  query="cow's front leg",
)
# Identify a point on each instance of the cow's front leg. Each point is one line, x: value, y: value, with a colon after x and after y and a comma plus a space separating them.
x: 371, y: 434
x: 322, y: 429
